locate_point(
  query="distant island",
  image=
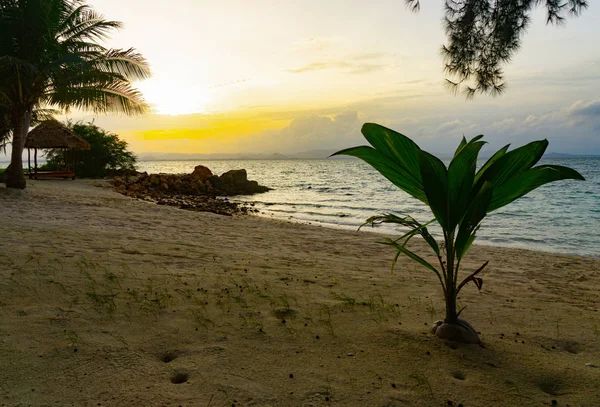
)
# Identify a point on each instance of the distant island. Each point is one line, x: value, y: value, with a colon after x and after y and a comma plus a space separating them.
x: 304, y: 155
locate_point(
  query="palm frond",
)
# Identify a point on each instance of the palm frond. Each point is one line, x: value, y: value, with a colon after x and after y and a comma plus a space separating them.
x: 84, y: 23
x: 129, y: 63
x: 116, y: 96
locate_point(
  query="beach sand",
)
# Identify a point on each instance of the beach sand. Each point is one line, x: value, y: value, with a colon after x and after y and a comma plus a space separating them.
x: 106, y: 301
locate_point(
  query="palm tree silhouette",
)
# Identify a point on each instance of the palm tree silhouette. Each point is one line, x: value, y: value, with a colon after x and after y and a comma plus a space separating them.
x: 51, y: 56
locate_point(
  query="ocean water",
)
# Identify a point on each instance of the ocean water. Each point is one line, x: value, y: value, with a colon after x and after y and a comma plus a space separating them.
x: 562, y: 217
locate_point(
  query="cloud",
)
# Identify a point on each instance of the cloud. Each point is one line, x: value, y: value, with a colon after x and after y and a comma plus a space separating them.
x: 360, y: 63
x: 366, y: 68
x: 230, y: 83
x: 585, y: 110
x: 312, y: 132
x: 348, y: 67
x: 573, y: 127
x: 319, y: 66
x: 318, y: 44
x: 449, y: 126
x: 413, y: 82
x: 370, y: 55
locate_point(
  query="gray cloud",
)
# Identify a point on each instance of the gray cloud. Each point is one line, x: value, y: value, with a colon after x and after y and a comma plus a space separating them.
x: 586, y: 110
x: 569, y: 129
x: 312, y: 132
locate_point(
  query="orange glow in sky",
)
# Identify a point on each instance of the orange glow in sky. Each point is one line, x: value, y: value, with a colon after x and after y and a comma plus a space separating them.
x: 234, y: 75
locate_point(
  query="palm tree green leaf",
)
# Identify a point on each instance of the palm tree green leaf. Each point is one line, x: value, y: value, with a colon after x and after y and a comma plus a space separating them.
x: 463, y: 143
x: 514, y: 162
x: 389, y: 168
x: 407, y: 221
x: 490, y: 161
x: 435, y: 183
x: 396, y: 146
x: 461, y: 173
x: 529, y: 180
x: 477, y: 210
x: 401, y: 248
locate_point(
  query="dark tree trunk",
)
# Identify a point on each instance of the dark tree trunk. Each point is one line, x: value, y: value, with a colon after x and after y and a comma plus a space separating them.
x: 14, y: 173
x: 451, y: 317
x: 453, y: 327
x: 26, y: 126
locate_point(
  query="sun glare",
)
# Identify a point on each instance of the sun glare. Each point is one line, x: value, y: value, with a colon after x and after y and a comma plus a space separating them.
x: 175, y: 99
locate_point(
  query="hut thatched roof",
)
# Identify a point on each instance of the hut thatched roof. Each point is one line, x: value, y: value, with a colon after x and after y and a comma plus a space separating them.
x: 53, y: 134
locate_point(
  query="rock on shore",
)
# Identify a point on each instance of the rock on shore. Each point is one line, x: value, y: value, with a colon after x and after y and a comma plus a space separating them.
x: 196, y: 191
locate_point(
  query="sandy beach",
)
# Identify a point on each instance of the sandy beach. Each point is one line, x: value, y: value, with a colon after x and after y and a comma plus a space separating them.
x: 109, y: 301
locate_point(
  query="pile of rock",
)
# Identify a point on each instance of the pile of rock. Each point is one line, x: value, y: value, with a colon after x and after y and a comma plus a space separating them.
x: 195, y: 191
x: 200, y: 182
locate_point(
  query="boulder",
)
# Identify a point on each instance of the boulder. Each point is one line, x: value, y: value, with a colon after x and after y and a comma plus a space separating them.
x: 215, y: 182
x: 201, y: 173
x: 235, y: 177
x: 235, y: 182
x: 200, y: 183
x: 118, y: 181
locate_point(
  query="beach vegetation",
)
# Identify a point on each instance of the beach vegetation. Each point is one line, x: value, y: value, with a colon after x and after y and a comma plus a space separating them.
x: 459, y: 196
x: 52, y: 57
x: 107, y: 154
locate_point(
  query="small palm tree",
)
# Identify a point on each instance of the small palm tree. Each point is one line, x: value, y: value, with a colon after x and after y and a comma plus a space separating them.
x: 459, y: 197
x: 50, y: 56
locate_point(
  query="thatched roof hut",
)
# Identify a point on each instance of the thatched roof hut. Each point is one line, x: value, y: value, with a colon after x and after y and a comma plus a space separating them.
x: 53, y: 134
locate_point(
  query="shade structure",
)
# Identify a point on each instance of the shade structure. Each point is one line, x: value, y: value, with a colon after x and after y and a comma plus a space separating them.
x: 51, y: 134
x: 54, y: 134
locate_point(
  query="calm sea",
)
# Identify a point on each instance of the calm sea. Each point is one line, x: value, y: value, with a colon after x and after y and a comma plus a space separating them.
x: 563, y: 217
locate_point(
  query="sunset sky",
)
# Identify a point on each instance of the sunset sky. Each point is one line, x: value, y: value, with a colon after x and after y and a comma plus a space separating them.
x: 240, y: 76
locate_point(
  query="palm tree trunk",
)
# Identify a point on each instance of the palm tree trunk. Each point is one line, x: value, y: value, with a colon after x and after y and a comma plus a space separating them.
x: 26, y: 125
x: 451, y: 317
x: 15, y: 177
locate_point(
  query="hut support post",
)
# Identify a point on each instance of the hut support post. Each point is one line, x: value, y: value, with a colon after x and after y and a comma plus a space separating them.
x: 73, y: 155
x: 35, y: 161
x: 29, y: 160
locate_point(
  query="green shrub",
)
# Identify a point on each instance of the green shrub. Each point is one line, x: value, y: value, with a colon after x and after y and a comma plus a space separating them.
x: 108, y: 153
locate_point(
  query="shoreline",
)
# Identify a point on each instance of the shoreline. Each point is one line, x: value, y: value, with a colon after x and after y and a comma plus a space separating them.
x: 110, y: 300
x: 379, y: 232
